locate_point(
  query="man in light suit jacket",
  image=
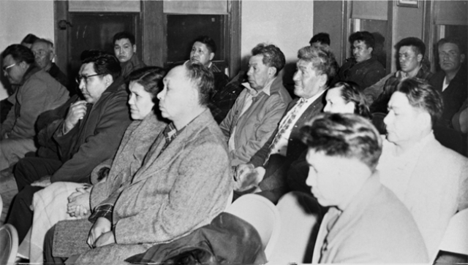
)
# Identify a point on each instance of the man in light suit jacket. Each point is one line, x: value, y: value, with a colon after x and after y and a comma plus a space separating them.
x: 315, y: 70
x: 365, y: 222
x: 183, y: 183
x: 430, y: 179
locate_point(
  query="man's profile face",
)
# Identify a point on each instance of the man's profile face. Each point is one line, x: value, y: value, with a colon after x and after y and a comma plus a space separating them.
x: 124, y: 50
x: 91, y: 85
x: 361, y: 52
x: 409, y: 59
x: 450, y: 58
x: 177, y: 95
x: 259, y: 73
x: 307, y: 81
x: 43, y: 55
x: 201, y: 54
x: 402, y: 120
x: 326, y: 177
x: 13, y: 70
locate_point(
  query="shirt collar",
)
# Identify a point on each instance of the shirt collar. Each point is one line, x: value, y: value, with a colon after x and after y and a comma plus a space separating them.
x: 312, y: 99
x: 253, y: 92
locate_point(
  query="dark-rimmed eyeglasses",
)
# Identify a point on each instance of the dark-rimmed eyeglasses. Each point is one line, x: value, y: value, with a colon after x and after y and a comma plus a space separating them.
x: 84, y: 78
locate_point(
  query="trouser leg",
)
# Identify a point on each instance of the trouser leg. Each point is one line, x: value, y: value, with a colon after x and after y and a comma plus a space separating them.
x: 30, y: 169
x: 21, y: 216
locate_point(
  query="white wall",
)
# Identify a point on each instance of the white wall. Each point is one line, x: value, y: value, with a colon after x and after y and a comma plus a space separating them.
x: 18, y: 18
x: 287, y: 24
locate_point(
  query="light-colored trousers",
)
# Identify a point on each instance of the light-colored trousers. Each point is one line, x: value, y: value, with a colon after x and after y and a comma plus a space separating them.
x: 12, y: 150
x: 50, y: 207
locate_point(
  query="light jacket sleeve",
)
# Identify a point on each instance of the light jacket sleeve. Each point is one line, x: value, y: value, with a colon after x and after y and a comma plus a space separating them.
x: 272, y: 117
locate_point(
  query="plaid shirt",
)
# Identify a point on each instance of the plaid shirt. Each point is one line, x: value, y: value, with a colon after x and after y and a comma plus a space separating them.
x: 380, y: 104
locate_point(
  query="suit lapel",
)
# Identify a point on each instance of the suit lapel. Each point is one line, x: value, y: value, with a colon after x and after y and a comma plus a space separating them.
x: 155, y: 161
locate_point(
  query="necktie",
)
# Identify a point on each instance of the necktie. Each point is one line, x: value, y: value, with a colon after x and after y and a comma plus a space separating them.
x: 284, y: 125
x: 333, y: 215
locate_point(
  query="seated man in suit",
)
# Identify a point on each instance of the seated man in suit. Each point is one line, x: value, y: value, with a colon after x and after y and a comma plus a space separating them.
x: 366, y: 222
x: 411, y: 52
x: 223, y: 97
x: 430, y: 179
x: 88, y: 135
x: 125, y: 50
x: 260, y: 106
x: 182, y: 184
x: 37, y: 92
x: 363, y: 68
x: 267, y: 168
x: 451, y: 80
x: 44, y: 55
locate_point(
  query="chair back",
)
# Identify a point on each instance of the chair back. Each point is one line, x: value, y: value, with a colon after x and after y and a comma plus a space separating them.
x: 262, y: 215
x: 455, y: 239
x: 8, y: 244
x: 300, y: 221
x: 1, y: 207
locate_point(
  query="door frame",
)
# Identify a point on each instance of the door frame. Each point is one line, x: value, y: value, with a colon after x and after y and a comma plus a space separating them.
x: 153, y: 34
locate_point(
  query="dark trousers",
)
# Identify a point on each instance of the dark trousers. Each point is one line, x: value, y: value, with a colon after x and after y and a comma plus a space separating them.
x: 28, y: 170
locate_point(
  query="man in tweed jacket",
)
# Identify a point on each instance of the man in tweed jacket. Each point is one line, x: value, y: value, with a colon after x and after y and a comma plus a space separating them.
x: 183, y: 183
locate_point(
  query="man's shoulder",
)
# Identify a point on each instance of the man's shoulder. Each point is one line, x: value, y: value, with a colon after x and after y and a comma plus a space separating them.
x: 444, y: 154
x: 204, y: 130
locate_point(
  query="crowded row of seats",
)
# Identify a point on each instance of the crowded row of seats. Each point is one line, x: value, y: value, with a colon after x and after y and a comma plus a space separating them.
x: 141, y: 162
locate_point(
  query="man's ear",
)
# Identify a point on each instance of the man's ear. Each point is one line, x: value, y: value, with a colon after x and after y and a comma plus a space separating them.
x: 108, y: 80
x: 462, y: 58
x: 23, y: 64
x: 271, y: 71
x: 419, y: 57
x: 134, y: 48
x: 424, y: 119
x: 212, y: 56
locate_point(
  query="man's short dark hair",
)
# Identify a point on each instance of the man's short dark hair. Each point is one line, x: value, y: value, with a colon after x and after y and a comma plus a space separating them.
x: 105, y: 64
x: 363, y: 36
x: 203, y: 78
x: 19, y: 53
x: 460, y: 44
x: 29, y: 39
x: 272, y: 56
x: 422, y: 96
x: 124, y: 35
x: 209, y: 42
x: 321, y: 37
x: 419, y: 46
x: 344, y: 135
x: 322, y: 59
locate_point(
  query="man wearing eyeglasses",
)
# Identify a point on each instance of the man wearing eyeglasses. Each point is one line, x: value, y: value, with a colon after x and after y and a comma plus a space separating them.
x: 88, y: 135
x: 43, y: 51
x: 37, y: 92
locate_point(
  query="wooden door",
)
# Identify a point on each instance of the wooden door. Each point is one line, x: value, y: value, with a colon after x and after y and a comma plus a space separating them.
x: 80, y: 31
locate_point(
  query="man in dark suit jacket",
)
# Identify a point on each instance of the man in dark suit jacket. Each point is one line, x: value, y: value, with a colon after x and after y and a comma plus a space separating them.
x: 89, y: 135
x: 267, y: 168
x: 451, y: 80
